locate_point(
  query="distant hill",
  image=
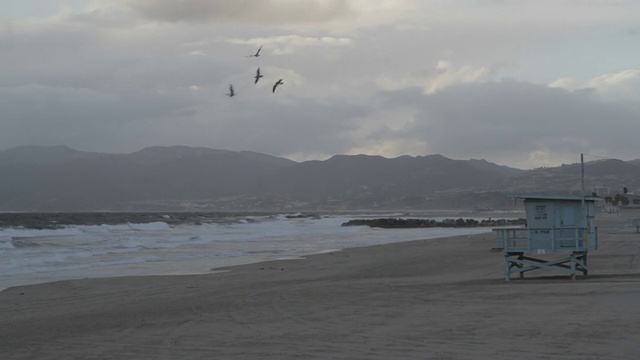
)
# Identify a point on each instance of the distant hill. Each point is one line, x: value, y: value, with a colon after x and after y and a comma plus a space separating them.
x: 42, y: 155
x: 374, y: 182
x: 495, y: 168
x: 611, y: 174
x: 162, y: 154
x: 182, y: 178
x: 35, y: 180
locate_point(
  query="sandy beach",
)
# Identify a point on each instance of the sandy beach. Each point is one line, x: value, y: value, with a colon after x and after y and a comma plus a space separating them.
x: 442, y: 298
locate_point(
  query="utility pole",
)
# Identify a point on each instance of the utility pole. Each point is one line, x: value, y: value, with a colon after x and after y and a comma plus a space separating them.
x: 584, y: 211
x: 582, y: 177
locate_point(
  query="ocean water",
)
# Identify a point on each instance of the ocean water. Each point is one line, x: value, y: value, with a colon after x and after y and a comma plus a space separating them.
x: 185, y: 246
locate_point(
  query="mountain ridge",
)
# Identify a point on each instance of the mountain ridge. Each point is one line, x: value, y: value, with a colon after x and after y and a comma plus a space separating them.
x: 197, y: 178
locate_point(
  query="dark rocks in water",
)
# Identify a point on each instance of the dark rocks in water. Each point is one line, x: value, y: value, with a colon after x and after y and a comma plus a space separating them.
x: 303, y: 216
x: 394, y: 223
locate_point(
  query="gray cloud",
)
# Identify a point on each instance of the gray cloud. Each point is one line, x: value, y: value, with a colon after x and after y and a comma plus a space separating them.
x: 278, y: 12
x: 514, y: 122
x: 80, y: 118
x: 304, y: 126
x: 113, y: 80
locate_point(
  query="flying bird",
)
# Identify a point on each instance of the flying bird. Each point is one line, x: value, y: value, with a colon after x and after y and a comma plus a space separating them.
x: 231, y: 93
x: 258, y: 76
x: 279, y: 82
x: 257, y: 52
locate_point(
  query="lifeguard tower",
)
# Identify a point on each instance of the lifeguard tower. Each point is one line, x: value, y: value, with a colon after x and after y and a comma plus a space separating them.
x: 555, y: 224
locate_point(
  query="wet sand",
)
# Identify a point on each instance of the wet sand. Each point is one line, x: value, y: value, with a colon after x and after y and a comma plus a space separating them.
x: 429, y: 299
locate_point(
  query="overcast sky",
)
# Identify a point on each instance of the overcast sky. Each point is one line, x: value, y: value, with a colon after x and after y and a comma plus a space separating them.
x: 519, y: 83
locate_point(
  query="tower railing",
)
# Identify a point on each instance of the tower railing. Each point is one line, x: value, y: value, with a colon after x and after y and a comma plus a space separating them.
x: 565, y: 239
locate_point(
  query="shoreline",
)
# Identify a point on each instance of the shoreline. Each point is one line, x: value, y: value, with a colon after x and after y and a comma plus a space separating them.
x: 441, y: 298
x: 139, y: 251
x: 174, y: 268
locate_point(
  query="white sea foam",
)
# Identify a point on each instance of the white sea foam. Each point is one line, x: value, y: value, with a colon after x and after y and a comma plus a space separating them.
x: 31, y: 256
x: 6, y: 242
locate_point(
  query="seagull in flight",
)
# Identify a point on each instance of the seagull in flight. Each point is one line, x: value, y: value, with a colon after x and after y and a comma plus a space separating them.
x: 258, y: 76
x: 257, y: 52
x: 279, y: 82
x: 231, y: 93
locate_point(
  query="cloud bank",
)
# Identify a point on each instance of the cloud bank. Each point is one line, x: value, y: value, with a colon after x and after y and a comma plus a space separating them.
x: 470, y: 79
x: 266, y: 12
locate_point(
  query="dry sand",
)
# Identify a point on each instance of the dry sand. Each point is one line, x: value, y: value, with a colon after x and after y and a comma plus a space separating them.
x: 430, y: 299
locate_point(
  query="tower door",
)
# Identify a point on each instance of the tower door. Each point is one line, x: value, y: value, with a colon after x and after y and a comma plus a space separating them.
x: 567, y: 216
x: 568, y: 233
